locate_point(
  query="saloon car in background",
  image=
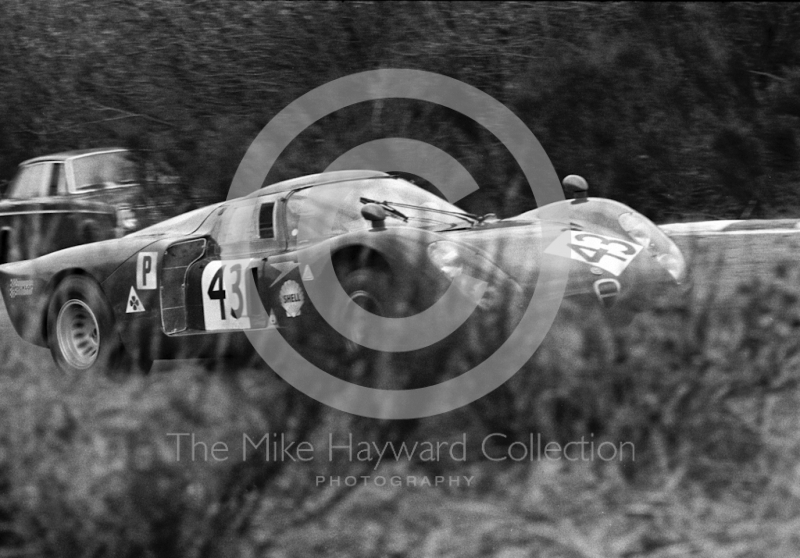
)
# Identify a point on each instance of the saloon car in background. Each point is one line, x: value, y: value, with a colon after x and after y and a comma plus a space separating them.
x: 65, y: 199
x: 171, y: 290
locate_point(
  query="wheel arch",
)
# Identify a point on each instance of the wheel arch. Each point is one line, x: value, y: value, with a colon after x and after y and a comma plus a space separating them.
x: 411, y: 278
x: 358, y: 256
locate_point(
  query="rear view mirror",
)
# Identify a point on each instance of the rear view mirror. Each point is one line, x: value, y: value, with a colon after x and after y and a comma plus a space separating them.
x: 375, y: 214
x: 575, y: 187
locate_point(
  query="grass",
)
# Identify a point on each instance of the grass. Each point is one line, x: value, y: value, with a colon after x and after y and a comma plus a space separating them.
x: 704, y: 388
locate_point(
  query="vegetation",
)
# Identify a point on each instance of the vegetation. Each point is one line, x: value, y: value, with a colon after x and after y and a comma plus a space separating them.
x: 704, y: 391
x: 680, y: 110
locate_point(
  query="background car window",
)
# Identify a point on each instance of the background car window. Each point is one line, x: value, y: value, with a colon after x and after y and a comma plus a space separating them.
x: 103, y: 170
x: 31, y: 181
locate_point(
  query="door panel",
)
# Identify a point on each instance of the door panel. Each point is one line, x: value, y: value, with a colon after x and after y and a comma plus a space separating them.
x: 230, y: 296
x: 224, y: 290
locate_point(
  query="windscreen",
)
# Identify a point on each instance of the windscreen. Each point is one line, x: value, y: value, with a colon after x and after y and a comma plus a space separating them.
x: 335, y: 208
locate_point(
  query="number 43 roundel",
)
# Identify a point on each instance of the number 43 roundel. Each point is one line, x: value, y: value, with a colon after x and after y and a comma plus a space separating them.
x: 608, y: 253
x: 227, y: 300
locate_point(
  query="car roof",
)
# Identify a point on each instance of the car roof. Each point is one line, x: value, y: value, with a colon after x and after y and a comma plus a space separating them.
x: 320, y: 179
x: 64, y: 155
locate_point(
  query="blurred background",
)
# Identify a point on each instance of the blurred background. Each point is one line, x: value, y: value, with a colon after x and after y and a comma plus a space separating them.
x: 679, y: 110
x: 682, y: 111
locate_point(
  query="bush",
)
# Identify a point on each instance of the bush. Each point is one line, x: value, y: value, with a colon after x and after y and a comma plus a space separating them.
x: 89, y: 469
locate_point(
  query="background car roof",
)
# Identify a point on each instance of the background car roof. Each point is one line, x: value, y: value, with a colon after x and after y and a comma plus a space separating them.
x: 64, y: 155
x: 318, y: 180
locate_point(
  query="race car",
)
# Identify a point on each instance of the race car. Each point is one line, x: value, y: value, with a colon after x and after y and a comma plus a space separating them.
x: 193, y: 283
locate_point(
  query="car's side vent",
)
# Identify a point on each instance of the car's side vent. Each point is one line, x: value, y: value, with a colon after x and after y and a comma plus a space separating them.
x: 175, y: 263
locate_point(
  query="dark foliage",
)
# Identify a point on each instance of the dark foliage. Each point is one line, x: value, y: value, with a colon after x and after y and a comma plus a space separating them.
x: 682, y: 110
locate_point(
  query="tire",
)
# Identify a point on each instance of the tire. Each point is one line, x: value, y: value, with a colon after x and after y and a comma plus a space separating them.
x: 81, y: 330
x: 370, y: 289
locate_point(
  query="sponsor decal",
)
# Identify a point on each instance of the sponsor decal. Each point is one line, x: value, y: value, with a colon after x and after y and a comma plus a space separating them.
x: 20, y: 287
x: 604, y: 252
x: 134, y: 303
x: 146, y: 271
x: 307, y: 275
x: 291, y: 298
x: 284, y: 268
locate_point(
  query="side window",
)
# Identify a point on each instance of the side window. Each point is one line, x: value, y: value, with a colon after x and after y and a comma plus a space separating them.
x: 266, y: 227
x: 31, y: 182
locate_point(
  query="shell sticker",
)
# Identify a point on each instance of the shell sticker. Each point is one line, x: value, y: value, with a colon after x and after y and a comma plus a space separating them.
x: 292, y: 298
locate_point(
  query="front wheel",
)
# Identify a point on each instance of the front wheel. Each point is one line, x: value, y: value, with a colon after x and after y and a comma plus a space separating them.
x: 81, y: 329
x: 370, y: 289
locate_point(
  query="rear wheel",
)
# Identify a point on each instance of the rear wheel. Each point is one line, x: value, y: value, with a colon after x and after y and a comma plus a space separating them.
x: 81, y: 330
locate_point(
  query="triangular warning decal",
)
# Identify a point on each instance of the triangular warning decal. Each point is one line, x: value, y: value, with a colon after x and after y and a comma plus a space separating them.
x: 273, y: 321
x: 307, y: 275
x: 134, y: 303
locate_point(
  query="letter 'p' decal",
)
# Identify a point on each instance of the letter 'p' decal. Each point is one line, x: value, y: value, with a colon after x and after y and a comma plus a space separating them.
x: 146, y: 270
